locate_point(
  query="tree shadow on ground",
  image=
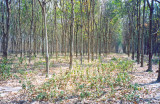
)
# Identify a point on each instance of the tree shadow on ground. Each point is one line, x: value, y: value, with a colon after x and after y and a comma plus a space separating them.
x: 153, y: 82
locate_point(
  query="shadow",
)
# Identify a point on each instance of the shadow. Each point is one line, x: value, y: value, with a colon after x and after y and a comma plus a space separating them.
x: 136, y: 72
x: 150, y: 100
x: 69, y: 97
x: 153, y: 82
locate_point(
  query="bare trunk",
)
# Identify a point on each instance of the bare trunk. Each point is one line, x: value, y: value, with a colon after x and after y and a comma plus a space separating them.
x: 42, y: 33
x: 142, y: 42
x: 21, y: 48
x: 88, y: 15
x: 150, y: 37
x: 46, y: 37
x: 138, y: 30
x: 81, y: 6
x: 5, y: 33
x: 71, y: 34
x: 31, y: 34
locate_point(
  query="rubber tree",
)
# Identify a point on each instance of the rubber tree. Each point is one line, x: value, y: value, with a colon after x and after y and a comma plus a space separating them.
x: 81, y: 6
x: 6, y: 25
x: 43, y: 6
x: 20, y: 28
x: 31, y: 33
x: 142, y: 39
x: 158, y: 79
x: 71, y: 34
x: 151, y: 7
x: 55, y: 26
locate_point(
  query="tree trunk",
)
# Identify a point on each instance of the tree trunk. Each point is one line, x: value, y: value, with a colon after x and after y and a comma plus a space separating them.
x: 138, y: 30
x: 42, y: 32
x: 71, y: 34
x: 55, y: 27
x: 21, y: 48
x: 142, y: 42
x: 93, y: 32
x: 100, y: 23
x: 150, y: 37
x: 81, y: 6
x: 88, y: 15
x: 31, y: 33
x: 133, y: 44
x: 158, y: 79
x: 46, y: 37
x: 76, y: 40
x: 35, y: 38
x: 6, y: 33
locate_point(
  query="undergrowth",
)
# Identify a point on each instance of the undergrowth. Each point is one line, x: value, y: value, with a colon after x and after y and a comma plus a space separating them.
x: 108, y: 80
x: 5, y: 69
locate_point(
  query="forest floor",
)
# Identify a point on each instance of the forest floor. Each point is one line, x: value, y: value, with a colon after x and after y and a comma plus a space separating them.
x: 14, y: 90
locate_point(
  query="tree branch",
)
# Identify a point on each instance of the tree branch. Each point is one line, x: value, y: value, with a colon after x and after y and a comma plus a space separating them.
x: 156, y: 32
x: 148, y: 4
x: 157, y: 1
x: 40, y: 3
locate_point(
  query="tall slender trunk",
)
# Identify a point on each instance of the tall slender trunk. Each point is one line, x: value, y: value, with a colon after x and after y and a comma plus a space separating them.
x: 142, y: 40
x: 52, y: 42
x: 6, y: 33
x: 97, y: 41
x: 46, y: 37
x: 76, y: 39
x: 150, y: 36
x: 35, y: 38
x: 42, y: 32
x: 31, y: 33
x: 21, y: 48
x: 81, y: 6
x: 66, y: 31
x: 24, y: 47
x: 55, y: 26
x: 138, y: 30
x: 93, y: 32
x: 158, y: 79
x: 88, y: 15
x: 71, y: 34
x: 133, y: 43
x: 100, y: 31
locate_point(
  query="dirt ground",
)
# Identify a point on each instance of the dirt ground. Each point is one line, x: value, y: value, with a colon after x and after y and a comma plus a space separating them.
x: 11, y: 90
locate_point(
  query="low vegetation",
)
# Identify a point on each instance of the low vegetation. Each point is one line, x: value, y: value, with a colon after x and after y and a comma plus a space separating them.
x: 95, y: 81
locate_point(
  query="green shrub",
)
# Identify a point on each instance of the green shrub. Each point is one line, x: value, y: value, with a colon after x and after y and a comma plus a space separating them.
x: 5, y: 69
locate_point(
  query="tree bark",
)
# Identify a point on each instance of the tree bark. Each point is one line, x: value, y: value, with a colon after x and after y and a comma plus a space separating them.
x: 138, y: 30
x: 158, y: 79
x: 31, y: 33
x: 6, y: 33
x: 55, y: 27
x: 88, y: 15
x: 46, y: 37
x: 21, y: 48
x: 81, y: 6
x: 93, y: 6
x: 71, y: 34
x: 150, y: 36
x: 142, y: 41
